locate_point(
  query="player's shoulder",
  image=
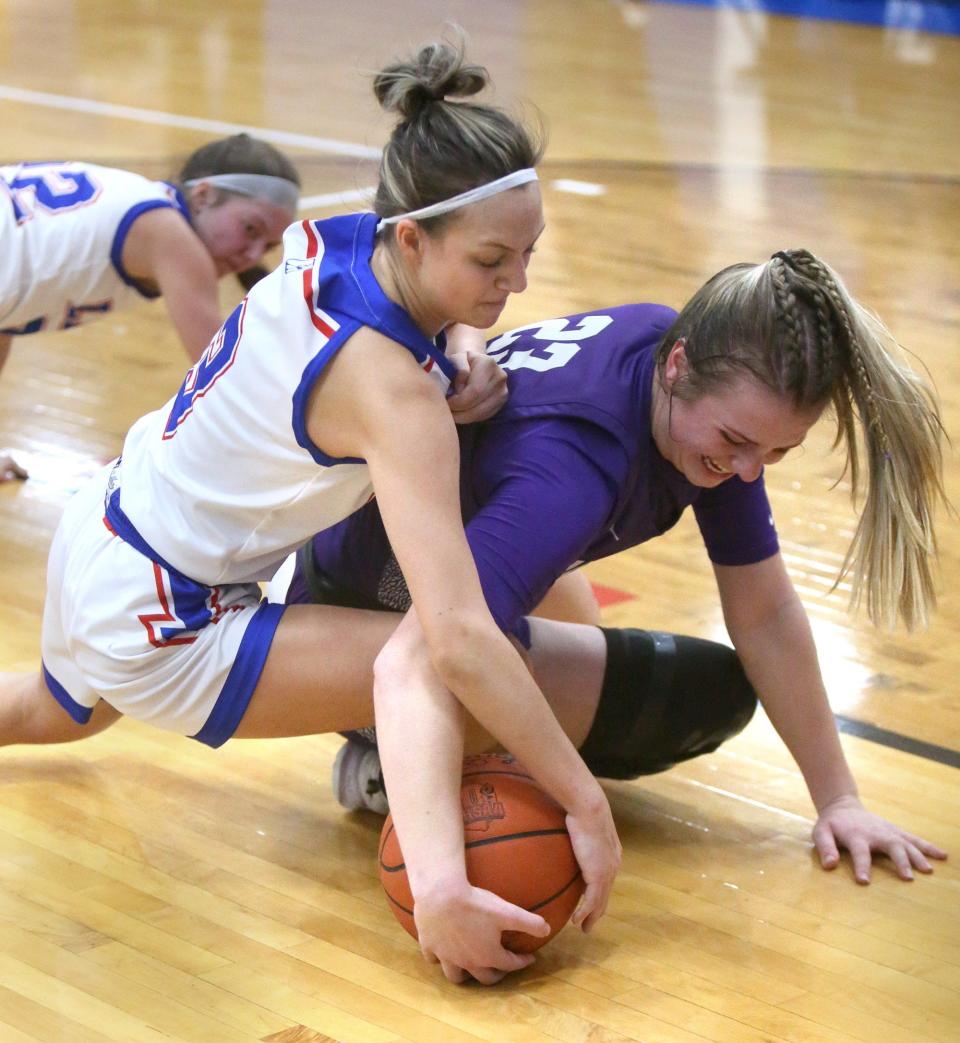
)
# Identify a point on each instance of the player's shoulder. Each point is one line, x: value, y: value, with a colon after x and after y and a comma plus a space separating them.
x: 635, y: 324
x: 336, y: 250
x: 374, y: 351
x: 329, y: 262
x: 643, y: 315
x: 333, y: 234
x: 115, y: 194
x: 626, y: 328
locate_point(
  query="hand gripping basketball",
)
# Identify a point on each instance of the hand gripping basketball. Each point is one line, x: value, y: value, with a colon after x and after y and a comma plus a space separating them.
x: 516, y: 845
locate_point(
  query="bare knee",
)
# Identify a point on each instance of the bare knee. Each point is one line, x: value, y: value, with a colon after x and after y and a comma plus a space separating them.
x: 29, y: 714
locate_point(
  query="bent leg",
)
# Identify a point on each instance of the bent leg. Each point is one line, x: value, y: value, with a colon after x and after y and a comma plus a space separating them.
x: 318, y: 675
x: 30, y: 714
x: 665, y: 699
x: 633, y: 702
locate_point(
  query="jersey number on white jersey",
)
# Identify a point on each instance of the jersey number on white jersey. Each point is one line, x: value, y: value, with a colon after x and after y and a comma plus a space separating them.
x: 216, y: 359
x: 52, y: 188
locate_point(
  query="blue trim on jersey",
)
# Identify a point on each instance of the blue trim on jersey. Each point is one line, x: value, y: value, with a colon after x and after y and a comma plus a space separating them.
x: 238, y: 689
x: 349, y: 292
x: 125, y: 529
x: 191, y: 604
x: 180, y: 202
x: 310, y: 376
x: 191, y: 598
x: 81, y: 714
x: 120, y: 237
x: 386, y: 315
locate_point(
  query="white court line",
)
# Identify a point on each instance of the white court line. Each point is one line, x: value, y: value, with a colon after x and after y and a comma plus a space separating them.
x: 579, y: 188
x: 750, y: 801
x: 169, y: 119
x: 277, y: 137
x: 332, y: 198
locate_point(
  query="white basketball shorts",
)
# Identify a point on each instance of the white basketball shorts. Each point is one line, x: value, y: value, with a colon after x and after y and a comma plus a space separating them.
x: 153, y: 643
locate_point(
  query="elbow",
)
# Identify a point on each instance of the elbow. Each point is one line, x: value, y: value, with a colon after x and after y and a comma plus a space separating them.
x: 462, y: 652
x: 396, y: 667
x: 458, y: 650
x: 411, y: 654
x: 455, y: 650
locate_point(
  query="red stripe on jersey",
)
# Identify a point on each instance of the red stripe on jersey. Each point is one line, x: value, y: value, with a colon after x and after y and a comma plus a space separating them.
x: 313, y: 248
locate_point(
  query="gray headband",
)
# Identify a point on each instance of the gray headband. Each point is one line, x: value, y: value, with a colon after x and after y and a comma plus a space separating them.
x: 276, y: 190
x: 472, y: 195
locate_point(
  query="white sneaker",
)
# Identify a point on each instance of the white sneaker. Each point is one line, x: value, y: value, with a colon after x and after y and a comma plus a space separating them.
x: 358, y: 780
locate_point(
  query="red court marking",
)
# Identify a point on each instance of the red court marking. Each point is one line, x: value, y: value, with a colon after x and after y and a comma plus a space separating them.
x: 610, y: 595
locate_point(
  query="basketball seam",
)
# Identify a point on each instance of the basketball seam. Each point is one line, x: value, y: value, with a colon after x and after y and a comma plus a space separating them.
x: 486, y: 841
x: 516, y: 836
x: 402, y: 908
x: 566, y: 887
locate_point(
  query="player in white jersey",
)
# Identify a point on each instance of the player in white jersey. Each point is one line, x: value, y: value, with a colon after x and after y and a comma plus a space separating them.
x: 79, y: 241
x: 325, y: 386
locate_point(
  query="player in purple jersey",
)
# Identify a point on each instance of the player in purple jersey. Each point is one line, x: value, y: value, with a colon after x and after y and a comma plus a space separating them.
x: 80, y: 241
x: 617, y: 421
x: 562, y: 460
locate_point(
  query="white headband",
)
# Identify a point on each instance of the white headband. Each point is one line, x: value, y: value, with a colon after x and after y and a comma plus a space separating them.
x: 276, y: 190
x: 491, y: 188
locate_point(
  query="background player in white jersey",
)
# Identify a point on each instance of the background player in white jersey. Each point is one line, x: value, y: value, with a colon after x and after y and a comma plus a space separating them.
x: 79, y: 241
x: 325, y: 385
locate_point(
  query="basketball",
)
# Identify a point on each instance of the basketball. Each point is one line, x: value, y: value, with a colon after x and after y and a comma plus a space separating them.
x: 516, y: 843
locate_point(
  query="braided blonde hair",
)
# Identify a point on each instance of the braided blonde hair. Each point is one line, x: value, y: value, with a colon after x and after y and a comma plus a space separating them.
x: 793, y: 326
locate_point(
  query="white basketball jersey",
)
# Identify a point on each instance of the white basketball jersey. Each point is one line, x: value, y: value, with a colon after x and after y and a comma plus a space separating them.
x: 62, y: 230
x: 224, y: 482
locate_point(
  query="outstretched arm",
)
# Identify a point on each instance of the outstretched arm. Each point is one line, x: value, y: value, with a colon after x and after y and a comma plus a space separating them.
x: 449, y: 643
x: 771, y: 632
x: 162, y: 248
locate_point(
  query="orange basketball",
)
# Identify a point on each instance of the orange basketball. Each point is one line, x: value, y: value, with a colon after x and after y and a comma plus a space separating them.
x: 517, y: 846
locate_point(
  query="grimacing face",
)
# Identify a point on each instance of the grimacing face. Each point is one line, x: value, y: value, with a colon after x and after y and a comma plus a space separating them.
x: 734, y: 431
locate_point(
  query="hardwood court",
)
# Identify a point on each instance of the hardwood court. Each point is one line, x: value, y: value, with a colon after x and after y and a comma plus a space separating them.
x: 151, y: 888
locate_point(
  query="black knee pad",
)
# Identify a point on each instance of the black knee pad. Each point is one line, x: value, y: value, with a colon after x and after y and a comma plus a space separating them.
x: 665, y: 699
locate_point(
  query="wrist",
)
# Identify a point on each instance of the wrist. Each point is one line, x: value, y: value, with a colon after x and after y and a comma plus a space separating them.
x: 830, y: 783
x: 438, y: 888
x: 589, y: 801
x: 837, y: 799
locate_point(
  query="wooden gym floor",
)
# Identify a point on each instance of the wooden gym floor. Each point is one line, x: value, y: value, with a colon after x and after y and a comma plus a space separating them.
x: 153, y: 889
